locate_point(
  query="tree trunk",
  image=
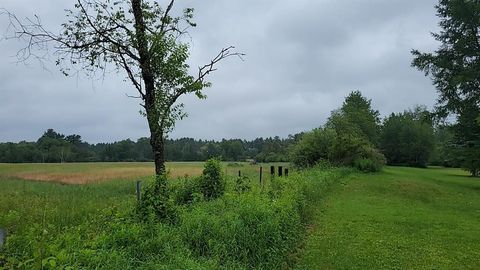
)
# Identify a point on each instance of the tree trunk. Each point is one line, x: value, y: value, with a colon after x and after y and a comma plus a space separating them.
x: 153, y: 116
x: 158, y: 147
x: 157, y: 140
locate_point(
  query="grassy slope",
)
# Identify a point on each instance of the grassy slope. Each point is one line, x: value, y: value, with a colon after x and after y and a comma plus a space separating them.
x: 402, y: 218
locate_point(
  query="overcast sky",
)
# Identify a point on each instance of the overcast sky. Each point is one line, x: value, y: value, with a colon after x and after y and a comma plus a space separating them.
x: 302, y: 58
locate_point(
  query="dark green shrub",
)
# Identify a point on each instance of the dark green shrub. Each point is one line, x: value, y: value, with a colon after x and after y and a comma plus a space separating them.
x: 369, y: 159
x: 156, y: 201
x: 357, y: 152
x: 313, y: 147
x: 326, y: 146
x: 188, y: 191
x: 212, y: 182
x: 408, y: 138
x: 366, y: 165
x: 242, y: 184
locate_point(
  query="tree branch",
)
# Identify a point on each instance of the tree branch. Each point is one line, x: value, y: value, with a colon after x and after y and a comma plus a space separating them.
x: 104, y: 33
x: 137, y: 85
x: 165, y: 16
x: 205, y: 70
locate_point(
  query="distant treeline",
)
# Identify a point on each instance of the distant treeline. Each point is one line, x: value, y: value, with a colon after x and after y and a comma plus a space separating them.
x: 354, y: 135
x: 53, y: 147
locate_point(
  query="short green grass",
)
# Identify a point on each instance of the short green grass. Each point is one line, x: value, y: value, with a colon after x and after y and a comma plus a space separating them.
x: 401, y: 218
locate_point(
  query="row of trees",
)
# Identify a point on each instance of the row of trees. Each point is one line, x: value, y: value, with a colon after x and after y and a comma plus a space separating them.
x: 354, y: 135
x: 412, y: 138
x: 56, y: 147
x: 349, y: 138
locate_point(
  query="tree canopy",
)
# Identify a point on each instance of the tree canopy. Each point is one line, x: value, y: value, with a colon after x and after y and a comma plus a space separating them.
x: 455, y: 71
x: 408, y: 138
x: 54, y: 147
x: 142, y: 39
x: 347, y: 139
x: 356, y: 117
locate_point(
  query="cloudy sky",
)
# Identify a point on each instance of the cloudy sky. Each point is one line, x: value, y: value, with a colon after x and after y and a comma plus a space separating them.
x: 302, y: 58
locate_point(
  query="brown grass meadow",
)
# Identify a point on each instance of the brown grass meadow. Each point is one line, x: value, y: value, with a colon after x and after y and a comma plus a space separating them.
x: 85, y: 173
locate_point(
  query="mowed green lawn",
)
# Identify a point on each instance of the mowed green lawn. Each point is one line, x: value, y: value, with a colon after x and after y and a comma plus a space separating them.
x: 401, y: 218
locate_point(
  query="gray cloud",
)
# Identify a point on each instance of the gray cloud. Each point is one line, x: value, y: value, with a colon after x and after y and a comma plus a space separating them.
x: 302, y: 58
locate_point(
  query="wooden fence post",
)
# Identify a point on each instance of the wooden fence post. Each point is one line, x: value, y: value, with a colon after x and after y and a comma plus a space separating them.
x: 3, y: 238
x: 139, y: 191
x: 260, y: 174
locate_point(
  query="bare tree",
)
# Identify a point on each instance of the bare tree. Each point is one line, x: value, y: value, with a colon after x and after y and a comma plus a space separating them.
x: 138, y: 37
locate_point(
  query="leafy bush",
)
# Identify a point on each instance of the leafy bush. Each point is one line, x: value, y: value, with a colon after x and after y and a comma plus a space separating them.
x: 366, y: 165
x: 313, y: 147
x: 347, y: 149
x: 371, y: 160
x: 212, y: 182
x: 156, y: 201
x: 242, y: 184
x: 325, y: 145
x: 408, y: 138
x: 188, y: 191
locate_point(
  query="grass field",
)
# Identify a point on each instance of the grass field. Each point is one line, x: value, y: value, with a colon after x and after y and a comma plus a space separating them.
x: 53, y: 223
x: 402, y: 218
x: 96, y: 186
x: 83, y: 173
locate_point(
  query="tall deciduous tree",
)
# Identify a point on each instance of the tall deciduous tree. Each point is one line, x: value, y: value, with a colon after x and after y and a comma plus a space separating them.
x: 356, y: 117
x: 407, y: 138
x: 455, y: 70
x: 140, y: 38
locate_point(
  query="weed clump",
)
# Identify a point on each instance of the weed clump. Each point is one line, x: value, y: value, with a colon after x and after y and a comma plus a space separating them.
x: 212, y: 183
x: 242, y: 184
x: 156, y: 201
x: 188, y: 190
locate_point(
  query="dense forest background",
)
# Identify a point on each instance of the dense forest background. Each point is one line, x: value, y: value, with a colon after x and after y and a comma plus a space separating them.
x: 353, y: 133
x: 53, y: 147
